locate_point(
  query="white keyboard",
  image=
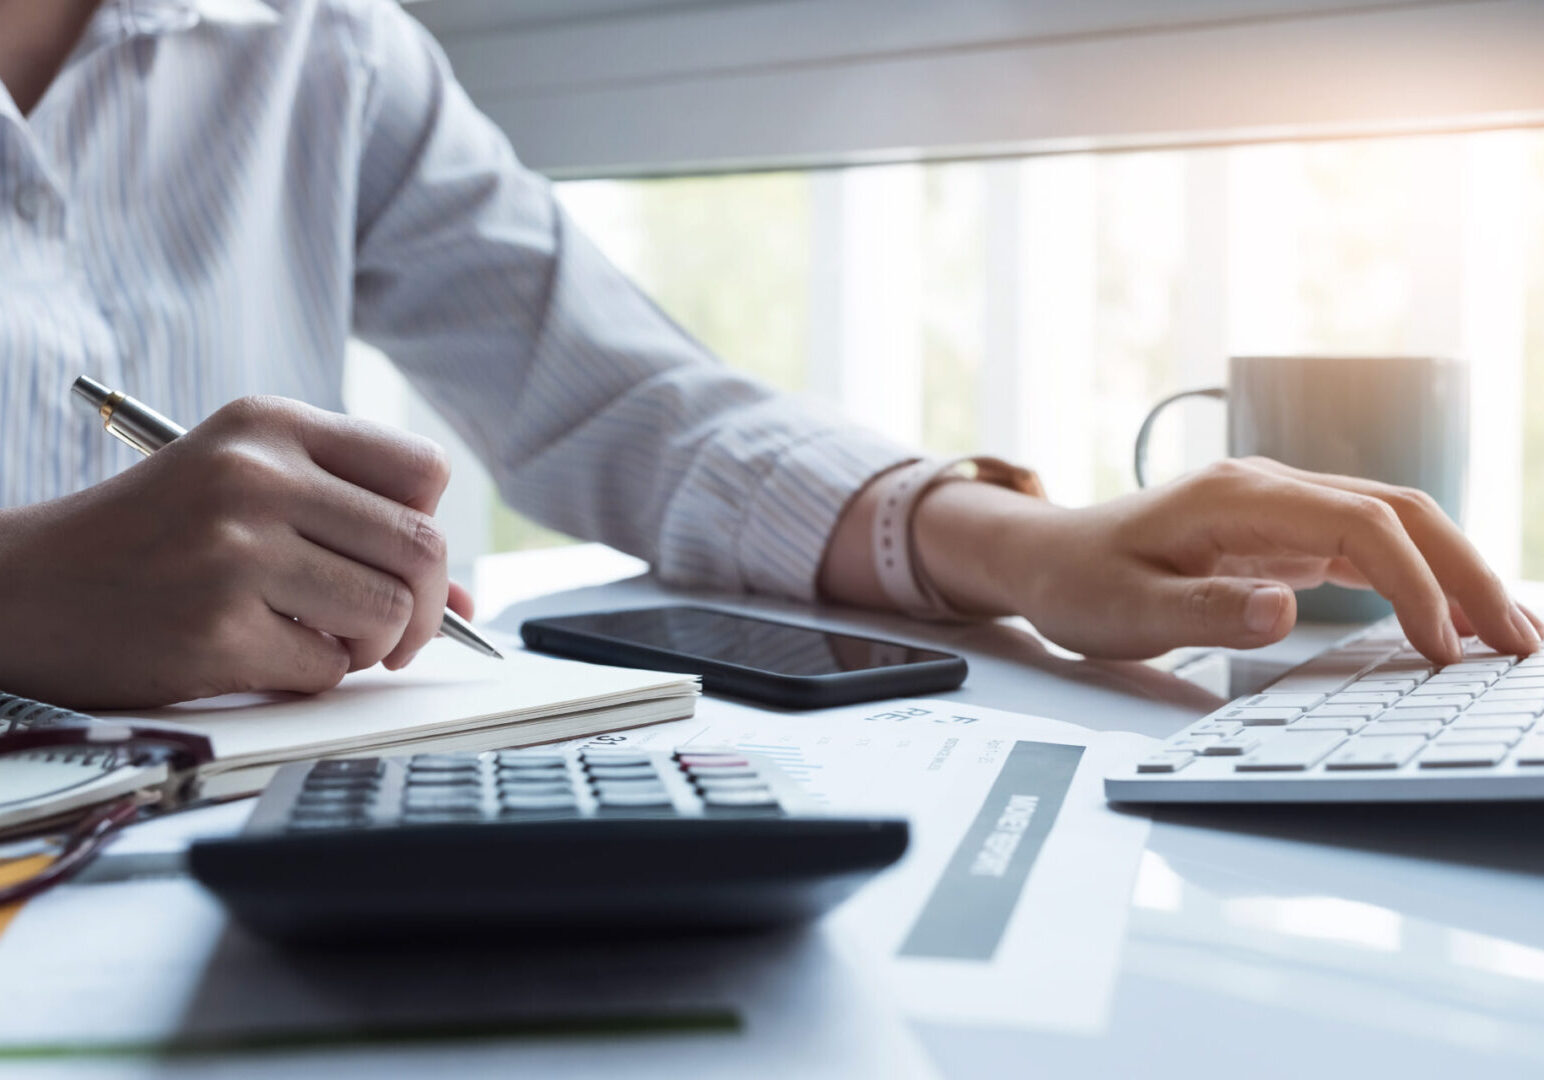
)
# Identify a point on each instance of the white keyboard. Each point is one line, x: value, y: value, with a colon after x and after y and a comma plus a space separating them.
x: 1370, y: 720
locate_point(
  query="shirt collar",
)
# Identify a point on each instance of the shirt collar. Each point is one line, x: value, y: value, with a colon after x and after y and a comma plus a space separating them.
x: 169, y: 16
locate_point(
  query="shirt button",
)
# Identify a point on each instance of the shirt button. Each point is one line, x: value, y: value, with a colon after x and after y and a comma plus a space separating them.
x: 29, y: 202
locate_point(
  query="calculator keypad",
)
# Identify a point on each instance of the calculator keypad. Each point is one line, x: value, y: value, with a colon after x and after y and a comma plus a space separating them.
x: 531, y: 785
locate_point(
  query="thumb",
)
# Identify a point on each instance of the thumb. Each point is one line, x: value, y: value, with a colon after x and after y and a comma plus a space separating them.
x: 1236, y: 612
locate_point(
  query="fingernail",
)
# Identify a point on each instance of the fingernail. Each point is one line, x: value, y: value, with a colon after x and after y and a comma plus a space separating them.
x: 1525, y: 628
x: 1455, y: 647
x: 1262, y: 611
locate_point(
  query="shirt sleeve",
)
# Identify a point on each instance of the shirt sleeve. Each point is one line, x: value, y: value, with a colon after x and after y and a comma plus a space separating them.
x: 596, y: 414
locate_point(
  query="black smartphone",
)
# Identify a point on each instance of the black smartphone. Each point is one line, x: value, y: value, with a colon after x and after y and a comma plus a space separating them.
x: 796, y: 667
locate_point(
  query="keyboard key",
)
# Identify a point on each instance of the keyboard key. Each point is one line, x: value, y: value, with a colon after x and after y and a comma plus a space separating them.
x: 1515, y: 683
x: 1457, y: 701
x: 1217, y: 727
x: 1486, y: 705
x: 1163, y: 761
x: 1271, y: 699
x: 1349, y: 724
x: 1232, y: 746
x: 1423, y: 712
x: 1462, y: 689
x: 1194, y: 744
x: 1381, y: 753
x: 1353, y: 698
x: 1464, y: 736
x: 1385, y: 729
x: 1496, y: 664
x: 1444, y: 678
x: 1290, y: 751
x: 1261, y: 717
x: 1365, y: 712
x: 1462, y: 755
x: 1469, y: 721
x: 1530, y: 751
x: 1376, y: 685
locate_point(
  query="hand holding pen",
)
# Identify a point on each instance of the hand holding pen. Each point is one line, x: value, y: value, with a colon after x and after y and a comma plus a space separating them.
x: 274, y: 547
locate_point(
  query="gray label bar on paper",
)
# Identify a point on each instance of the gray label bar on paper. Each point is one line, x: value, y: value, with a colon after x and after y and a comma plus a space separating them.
x: 968, y: 912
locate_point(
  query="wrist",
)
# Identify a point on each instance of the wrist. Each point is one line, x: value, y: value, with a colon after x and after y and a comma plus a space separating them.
x: 984, y: 546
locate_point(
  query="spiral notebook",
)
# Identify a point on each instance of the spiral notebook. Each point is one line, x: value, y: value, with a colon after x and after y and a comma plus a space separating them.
x: 449, y: 699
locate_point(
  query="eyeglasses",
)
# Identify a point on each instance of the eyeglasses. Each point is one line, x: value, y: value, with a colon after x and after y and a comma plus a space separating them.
x: 42, y: 729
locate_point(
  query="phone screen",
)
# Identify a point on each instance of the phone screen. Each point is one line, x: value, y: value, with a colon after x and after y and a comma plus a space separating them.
x: 747, y: 641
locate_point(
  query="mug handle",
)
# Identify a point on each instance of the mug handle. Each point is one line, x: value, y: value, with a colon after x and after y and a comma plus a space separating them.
x: 1140, y: 458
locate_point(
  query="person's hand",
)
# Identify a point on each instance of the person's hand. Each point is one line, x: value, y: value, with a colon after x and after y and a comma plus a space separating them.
x: 274, y: 547
x: 1211, y: 559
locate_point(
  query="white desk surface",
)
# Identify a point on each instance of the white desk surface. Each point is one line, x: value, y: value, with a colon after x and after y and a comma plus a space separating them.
x: 1273, y: 942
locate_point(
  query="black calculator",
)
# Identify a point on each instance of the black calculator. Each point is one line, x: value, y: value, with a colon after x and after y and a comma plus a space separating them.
x: 521, y: 842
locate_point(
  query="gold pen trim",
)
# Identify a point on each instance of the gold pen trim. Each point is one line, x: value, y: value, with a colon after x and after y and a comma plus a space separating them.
x: 110, y: 406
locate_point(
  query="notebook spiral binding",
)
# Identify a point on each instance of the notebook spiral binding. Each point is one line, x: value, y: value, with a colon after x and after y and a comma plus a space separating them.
x: 23, y: 714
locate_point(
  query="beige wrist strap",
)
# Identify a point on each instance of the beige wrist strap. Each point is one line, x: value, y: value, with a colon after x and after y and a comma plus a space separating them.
x: 901, y: 574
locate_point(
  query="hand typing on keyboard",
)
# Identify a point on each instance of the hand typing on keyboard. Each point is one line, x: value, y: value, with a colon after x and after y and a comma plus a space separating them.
x: 1212, y: 559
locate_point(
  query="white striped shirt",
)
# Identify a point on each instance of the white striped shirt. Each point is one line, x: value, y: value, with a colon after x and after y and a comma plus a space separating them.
x: 215, y: 193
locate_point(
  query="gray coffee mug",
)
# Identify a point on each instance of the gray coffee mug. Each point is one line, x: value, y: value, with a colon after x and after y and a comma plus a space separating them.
x: 1402, y: 420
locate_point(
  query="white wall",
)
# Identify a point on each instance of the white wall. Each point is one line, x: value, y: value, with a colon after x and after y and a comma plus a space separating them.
x: 625, y: 87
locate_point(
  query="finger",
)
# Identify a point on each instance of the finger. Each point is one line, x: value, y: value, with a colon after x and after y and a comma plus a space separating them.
x: 363, y: 606
x: 288, y: 656
x: 459, y: 600
x: 1227, y: 611
x: 396, y: 539
x: 1258, y: 513
x: 401, y: 466
x: 1456, y: 563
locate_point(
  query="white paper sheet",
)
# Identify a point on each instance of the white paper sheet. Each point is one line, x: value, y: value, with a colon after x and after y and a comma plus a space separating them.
x: 1054, y: 952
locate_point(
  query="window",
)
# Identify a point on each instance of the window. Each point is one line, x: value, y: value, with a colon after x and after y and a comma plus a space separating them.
x: 1036, y: 307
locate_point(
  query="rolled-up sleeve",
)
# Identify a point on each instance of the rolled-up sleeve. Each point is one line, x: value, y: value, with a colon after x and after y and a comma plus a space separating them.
x: 595, y: 413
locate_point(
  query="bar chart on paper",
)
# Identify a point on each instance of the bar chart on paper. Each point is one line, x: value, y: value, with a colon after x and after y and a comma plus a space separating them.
x: 1010, y: 906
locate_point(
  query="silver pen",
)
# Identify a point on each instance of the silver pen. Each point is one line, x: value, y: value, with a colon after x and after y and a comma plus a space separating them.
x: 147, y: 431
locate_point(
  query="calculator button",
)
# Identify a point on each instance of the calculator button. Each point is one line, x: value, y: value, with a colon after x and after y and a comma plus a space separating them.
x: 623, y: 772
x: 348, y: 796
x: 526, y: 759
x: 712, y: 760
x: 615, y: 757
x: 537, y: 787
x: 444, y: 780
x: 442, y: 761
x: 702, y: 772
x: 321, y: 824
x: 347, y: 767
x: 748, y: 797
x: 632, y: 795
x: 553, y: 801
x: 735, y: 783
